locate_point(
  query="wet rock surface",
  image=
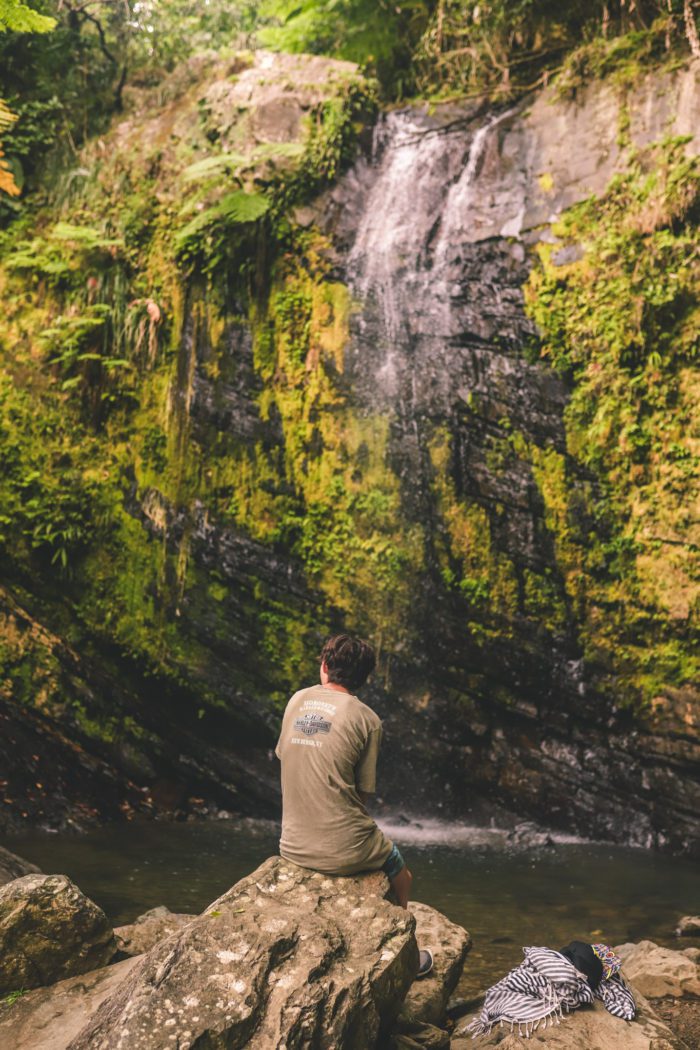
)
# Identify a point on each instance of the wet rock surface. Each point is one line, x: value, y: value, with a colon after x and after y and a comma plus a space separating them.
x: 528, y: 835
x: 48, y: 931
x: 434, y: 229
x: 682, y: 1016
x: 688, y: 926
x: 287, y: 957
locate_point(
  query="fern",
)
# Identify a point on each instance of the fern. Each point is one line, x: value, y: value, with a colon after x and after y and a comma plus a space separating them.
x: 85, y: 237
x: 213, y: 166
x: 64, y: 252
x: 244, y: 207
x: 237, y: 208
x: 270, y: 150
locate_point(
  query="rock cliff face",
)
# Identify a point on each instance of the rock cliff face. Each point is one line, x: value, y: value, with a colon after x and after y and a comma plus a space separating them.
x: 437, y: 230
x: 341, y: 417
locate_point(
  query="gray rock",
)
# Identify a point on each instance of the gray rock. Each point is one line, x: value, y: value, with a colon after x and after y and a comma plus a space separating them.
x: 267, y: 102
x: 424, y: 1008
x: 286, y: 958
x: 14, y: 867
x: 528, y: 835
x: 49, y: 930
x: 48, y: 1018
x: 426, y: 1000
x: 657, y: 971
x: 688, y: 926
x: 150, y: 928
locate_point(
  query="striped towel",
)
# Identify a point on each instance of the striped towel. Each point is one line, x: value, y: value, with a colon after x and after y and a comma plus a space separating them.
x: 541, y: 989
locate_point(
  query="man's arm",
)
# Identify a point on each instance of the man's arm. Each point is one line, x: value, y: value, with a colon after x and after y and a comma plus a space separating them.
x: 366, y: 768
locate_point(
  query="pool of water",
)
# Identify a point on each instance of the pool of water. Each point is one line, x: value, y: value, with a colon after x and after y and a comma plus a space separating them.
x: 505, y: 897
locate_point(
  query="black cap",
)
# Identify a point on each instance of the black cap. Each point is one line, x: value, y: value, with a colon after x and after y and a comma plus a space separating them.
x: 584, y: 959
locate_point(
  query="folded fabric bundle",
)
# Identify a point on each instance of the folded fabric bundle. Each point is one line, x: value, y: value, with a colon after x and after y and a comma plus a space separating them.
x: 542, y: 988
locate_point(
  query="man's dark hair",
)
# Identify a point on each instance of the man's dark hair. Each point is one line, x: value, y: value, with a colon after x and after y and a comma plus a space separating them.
x: 349, y: 661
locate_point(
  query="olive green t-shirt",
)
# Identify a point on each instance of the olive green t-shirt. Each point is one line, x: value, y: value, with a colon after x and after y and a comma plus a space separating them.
x: 328, y: 748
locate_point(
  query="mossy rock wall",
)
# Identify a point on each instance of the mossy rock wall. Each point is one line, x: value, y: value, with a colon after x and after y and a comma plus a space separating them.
x: 216, y: 454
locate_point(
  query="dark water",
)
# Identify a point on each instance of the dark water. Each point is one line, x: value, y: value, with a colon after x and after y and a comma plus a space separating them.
x: 505, y: 898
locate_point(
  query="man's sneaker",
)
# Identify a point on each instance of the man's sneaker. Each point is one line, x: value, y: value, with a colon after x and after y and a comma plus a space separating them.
x: 425, y: 962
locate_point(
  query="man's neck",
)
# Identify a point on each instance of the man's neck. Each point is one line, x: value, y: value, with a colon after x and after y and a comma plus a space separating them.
x: 338, y: 688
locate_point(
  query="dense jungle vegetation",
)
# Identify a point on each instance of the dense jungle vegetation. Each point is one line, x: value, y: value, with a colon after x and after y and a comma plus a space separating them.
x: 64, y: 65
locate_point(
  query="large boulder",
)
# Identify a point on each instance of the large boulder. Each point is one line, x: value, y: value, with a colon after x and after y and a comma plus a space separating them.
x: 49, y: 930
x: 424, y: 1008
x: 586, y: 1029
x: 153, y: 926
x: 426, y: 1000
x: 657, y: 971
x: 48, y: 1018
x: 14, y: 867
x: 287, y: 958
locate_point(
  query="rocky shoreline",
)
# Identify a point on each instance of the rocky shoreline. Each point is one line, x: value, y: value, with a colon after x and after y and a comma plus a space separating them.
x: 286, y: 958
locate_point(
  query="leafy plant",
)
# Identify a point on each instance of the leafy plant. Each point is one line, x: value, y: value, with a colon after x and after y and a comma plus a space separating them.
x: 12, y: 998
x: 64, y: 253
x: 19, y: 18
x: 209, y: 239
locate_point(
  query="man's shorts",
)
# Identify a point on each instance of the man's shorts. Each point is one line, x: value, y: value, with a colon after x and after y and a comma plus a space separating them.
x: 393, y: 863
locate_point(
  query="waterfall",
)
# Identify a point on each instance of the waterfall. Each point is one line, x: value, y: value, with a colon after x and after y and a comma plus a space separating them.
x: 417, y: 221
x: 393, y: 230
x: 458, y: 209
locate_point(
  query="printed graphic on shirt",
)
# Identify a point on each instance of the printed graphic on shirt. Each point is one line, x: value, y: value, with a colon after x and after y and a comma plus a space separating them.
x: 319, y: 705
x: 311, y: 723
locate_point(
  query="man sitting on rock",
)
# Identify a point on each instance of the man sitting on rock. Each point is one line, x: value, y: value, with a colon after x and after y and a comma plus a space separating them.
x: 328, y: 748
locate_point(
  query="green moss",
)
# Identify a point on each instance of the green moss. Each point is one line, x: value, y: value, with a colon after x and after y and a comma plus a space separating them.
x: 622, y: 59
x: 622, y: 323
x: 470, y: 562
x: 29, y: 671
x: 329, y: 492
x: 543, y: 600
x: 109, y: 317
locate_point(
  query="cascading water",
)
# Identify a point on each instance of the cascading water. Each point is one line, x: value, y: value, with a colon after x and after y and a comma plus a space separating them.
x: 395, y: 225
x: 418, y: 207
x: 431, y: 292
x: 458, y: 219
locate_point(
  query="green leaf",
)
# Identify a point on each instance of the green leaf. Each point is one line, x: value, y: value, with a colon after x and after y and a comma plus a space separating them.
x: 19, y: 18
x: 244, y: 207
x: 212, y: 166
